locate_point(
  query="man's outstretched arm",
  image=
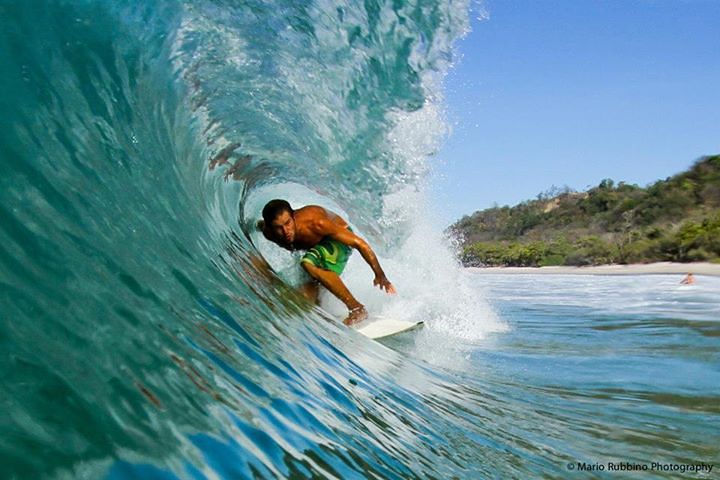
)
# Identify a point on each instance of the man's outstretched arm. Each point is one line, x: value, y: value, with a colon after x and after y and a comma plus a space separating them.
x: 348, y: 238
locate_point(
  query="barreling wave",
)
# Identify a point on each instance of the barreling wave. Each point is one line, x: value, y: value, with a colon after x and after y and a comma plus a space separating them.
x: 143, y: 333
x: 147, y: 332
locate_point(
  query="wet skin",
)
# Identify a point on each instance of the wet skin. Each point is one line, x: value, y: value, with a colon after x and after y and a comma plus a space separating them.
x: 304, y: 228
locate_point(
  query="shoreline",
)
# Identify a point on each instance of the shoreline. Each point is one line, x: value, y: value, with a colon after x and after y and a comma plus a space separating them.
x: 660, y: 268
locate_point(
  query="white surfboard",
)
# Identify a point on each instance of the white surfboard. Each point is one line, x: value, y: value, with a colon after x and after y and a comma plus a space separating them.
x: 376, y: 328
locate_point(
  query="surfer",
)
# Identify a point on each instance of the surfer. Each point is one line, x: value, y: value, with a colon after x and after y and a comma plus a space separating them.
x: 688, y: 280
x: 329, y: 241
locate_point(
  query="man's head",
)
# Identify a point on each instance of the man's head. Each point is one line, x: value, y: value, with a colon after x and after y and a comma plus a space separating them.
x: 280, y: 219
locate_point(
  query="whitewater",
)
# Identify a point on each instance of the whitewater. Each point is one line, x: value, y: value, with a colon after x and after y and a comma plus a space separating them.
x: 148, y: 331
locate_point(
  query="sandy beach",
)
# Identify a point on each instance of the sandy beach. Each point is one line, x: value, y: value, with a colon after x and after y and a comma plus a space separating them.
x: 661, y: 268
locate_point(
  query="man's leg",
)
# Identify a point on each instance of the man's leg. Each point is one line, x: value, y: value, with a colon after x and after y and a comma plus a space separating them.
x: 311, y: 290
x: 332, y: 282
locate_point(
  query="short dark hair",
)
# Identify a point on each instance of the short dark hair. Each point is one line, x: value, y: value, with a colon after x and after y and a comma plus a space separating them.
x: 274, y: 208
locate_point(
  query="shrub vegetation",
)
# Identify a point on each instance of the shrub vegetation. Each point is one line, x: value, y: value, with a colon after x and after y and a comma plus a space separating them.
x: 676, y: 219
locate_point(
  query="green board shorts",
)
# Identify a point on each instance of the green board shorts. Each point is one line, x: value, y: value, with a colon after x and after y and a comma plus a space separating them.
x: 329, y: 254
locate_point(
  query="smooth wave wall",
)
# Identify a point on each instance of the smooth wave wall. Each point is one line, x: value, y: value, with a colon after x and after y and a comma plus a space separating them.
x: 144, y: 334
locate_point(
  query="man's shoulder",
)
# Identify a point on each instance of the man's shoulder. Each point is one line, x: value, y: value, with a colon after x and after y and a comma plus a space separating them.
x: 311, y: 210
x: 319, y: 220
x: 311, y: 215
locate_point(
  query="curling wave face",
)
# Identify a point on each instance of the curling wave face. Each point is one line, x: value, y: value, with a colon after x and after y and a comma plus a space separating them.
x: 142, y: 330
x: 147, y: 332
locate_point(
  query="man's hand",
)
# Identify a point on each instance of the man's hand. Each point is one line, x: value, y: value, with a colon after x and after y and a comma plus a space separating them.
x: 384, y: 284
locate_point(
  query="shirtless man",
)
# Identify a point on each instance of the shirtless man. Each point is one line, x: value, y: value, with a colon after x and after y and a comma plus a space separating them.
x: 329, y: 241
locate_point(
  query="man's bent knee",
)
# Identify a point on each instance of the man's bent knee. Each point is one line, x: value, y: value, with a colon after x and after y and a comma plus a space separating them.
x: 310, y: 291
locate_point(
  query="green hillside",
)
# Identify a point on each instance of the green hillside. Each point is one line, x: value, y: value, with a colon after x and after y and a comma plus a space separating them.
x: 676, y: 219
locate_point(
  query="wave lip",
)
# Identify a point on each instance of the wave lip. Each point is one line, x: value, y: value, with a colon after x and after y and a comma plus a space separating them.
x: 146, y: 336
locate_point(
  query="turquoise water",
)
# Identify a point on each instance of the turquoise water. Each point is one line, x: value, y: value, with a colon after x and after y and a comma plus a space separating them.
x: 593, y: 370
x: 149, y: 333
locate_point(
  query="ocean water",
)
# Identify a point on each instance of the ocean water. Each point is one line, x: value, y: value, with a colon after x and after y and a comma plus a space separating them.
x: 148, y: 332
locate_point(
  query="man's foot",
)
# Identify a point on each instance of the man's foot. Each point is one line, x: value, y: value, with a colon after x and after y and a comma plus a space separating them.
x: 357, y: 315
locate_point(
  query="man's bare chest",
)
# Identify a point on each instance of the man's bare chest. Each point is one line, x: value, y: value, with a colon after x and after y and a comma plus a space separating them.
x: 306, y: 240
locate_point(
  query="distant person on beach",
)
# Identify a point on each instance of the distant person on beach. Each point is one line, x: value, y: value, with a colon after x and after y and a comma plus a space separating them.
x: 329, y: 241
x: 688, y: 280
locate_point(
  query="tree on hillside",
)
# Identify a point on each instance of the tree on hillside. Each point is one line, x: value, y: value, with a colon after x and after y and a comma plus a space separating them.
x: 673, y: 219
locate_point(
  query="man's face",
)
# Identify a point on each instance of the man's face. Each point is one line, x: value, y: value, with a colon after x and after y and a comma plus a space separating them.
x: 283, y: 226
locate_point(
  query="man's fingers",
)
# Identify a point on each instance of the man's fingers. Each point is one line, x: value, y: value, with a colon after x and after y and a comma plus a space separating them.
x: 384, y: 285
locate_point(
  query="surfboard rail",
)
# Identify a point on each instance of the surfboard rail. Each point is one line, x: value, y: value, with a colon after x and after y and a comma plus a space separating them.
x: 378, y: 328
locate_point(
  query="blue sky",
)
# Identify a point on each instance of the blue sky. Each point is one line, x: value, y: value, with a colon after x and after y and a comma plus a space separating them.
x: 568, y: 92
